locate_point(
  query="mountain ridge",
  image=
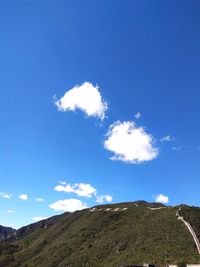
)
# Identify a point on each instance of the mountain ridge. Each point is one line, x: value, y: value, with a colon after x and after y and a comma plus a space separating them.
x: 41, y: 224
x: 106, y: 235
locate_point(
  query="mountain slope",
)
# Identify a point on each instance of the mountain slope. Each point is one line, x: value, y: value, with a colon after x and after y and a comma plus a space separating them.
x: 192, y: 215
x: 6, y: 232
x: 110, y: 235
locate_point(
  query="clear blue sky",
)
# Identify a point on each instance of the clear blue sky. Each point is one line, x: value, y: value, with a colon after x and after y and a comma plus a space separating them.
x: 143, y: 55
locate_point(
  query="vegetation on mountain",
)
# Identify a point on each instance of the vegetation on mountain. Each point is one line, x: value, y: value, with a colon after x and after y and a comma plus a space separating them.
x: 105, y: 236
x: 192, y: 215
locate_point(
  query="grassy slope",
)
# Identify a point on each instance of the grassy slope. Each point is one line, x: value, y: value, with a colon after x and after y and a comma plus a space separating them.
x: 105, y: 238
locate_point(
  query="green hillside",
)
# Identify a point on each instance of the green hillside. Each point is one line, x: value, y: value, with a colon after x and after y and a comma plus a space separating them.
x: 106, y: 237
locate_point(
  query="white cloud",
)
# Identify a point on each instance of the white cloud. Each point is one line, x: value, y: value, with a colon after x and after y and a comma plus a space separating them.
x: 103, y: 198
x: 129, y: 143
x: 80, y: 189
x: 10, y: 211
x: 38, y: 218
x: 167, y: 138
x: 138, y: 115
x: 68, y: 205
x: 23, y: 197
x: 85, y: 97
x: 161, y: 198
x: 5, y: 195
x: 39, y: 199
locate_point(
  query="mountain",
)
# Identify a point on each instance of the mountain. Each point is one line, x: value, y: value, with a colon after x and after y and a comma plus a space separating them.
x: 106, y: 236
x: 6, y: 232
x: 10, y: 234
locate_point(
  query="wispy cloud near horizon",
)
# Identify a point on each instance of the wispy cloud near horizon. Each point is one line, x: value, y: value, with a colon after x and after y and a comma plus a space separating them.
x: 161, y: 198
x: 70, y: 205
x: 103, y: 199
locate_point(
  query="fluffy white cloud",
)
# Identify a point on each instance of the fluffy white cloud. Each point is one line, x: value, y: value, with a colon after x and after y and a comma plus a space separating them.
x: 129, y: 143
x: 161, y: 198
x: 39, y: 199
x: 166, y: 138
x: 23, y: 197
x: 138, y: 115
x: 5, y: 195
x: 38, y: 218
x: 68, y: 205
x: 80, y: 189
x: 85, y: 97
x: 103, y: 199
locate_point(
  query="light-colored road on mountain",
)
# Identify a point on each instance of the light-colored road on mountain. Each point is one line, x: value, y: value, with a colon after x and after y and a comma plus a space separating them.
x: 190, y: 229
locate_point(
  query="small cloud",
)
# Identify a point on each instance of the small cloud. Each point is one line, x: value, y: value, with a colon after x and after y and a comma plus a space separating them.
x: 85, y: 97
x: 103, y: 198
x: 69, y: 205
x: 10, y: 211
x: 5, y: 195
x: 23, y: 197
x: 80, y: 189
x: 63, y: 182
x: 161, y: 198
x: 129, y: 143
x: 138, y: 115
x: 39, y: 199
x: 38, y: 218
x: 177, y: 148
x: 167, y: 138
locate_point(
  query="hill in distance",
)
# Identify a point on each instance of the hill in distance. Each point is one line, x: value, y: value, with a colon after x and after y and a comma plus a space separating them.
x: 105, y: 236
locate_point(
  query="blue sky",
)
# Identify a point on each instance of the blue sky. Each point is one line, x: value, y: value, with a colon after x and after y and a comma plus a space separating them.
x: 136, y: 56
